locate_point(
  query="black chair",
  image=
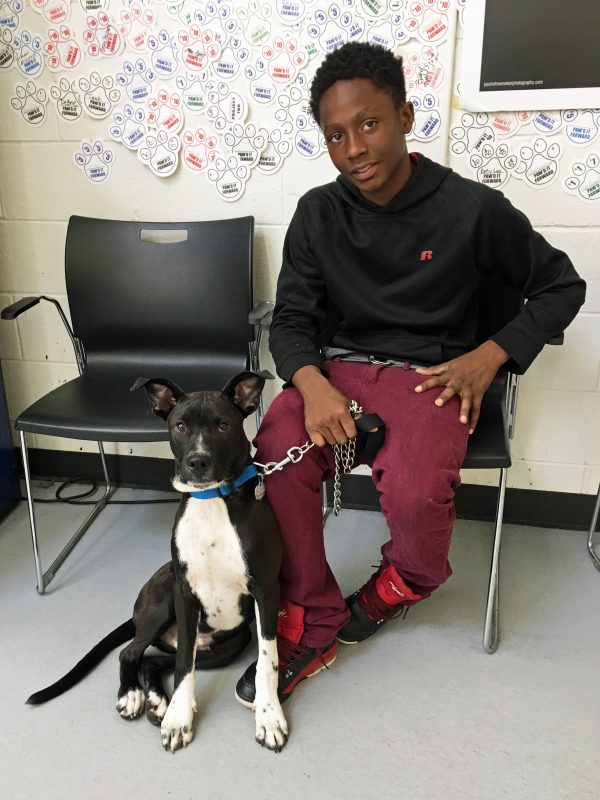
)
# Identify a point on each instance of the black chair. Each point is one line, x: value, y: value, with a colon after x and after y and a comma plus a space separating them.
x: 146, y: 299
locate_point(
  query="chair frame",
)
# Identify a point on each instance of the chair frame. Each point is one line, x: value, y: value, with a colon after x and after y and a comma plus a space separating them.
x: 590, y: 540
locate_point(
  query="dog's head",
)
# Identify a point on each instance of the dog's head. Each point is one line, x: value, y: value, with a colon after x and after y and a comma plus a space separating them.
x: 206, y: 430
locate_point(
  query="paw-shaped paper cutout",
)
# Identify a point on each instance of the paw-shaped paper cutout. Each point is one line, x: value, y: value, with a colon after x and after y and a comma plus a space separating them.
x: 228, y: 177
x: 28, y: 54
x: 68, y: 100
x: 62, y: 50
x: 290, y: 13
x: 99, y: 95
x: 94, y: 160
x: 255, y: 21
x: 377, y: 9
x: 7, y: 51
x: 581, y: 127
x: 199, y: 150
x: 493, y: 164
x: 160, y: 153
x: 276, y: 151
x: 472, y: 134
x: 261, y: 87
x: 193, y: 92
x: 296, y: 120
x: 245, y: 142
x: 284, y: 59
x: 583, y: 179
x: 428, y: 20
x: 165, y: 112
x: 198, y: 48
x: 423, y: 71
x: 537, y: 164
x: 331, y: 28
x: 165, y: 60
x: 129, y: 127
x: 232, y: 57
x: 225, y: 107
x: 215, y: 16
x: 90, y: 6
x: 136, y: 25
x: 137, y: 80
x: 547, y: 122
x: 104, y: 40
x: 54, y: 11
x: 10, y: 14
x: 30, y: 102
x: 384, y: 34
x: 427, y: 122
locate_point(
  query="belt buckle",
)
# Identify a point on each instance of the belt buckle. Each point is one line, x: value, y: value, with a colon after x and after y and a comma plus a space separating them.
x: 383, y: 363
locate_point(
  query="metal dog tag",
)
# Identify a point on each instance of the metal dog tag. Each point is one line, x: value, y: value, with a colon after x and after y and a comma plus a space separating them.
x: 261, y: 489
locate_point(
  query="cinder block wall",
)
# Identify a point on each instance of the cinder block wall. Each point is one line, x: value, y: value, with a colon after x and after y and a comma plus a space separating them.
x: 557, y: 446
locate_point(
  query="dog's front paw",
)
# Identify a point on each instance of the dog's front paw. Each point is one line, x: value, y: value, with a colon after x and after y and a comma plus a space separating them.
x: 176, y: 729
x: 131, y: 704
x: 156, y: 707
x: 271, y: 726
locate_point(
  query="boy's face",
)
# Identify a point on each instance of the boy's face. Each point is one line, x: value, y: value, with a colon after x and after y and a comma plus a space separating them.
x: 366, y: 137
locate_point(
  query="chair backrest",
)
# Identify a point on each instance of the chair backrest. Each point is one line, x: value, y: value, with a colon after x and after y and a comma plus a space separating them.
x: 163, y: 293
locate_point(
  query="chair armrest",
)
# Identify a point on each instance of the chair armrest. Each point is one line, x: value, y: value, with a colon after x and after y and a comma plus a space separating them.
x: 13, y: 311
x: 262, y: 314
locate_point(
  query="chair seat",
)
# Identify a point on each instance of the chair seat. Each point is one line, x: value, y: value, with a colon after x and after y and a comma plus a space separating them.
x: 99, y: 405
x: 489, y: 446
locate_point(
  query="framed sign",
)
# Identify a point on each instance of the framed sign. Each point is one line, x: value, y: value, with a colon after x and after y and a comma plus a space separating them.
x: 530, y: 54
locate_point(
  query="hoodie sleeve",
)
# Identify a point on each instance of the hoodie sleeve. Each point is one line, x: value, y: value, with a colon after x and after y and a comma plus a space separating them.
x: 508, y: 247
x: 300, y: 310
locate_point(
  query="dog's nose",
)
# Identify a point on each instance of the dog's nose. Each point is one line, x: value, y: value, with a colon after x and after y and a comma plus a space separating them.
x: 198, y: 462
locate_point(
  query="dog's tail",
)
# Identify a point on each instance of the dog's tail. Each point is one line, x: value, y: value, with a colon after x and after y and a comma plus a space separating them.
x: 119, y: 636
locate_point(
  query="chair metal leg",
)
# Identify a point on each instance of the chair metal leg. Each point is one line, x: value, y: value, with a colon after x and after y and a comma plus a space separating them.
x: 593, y: 555
x: 44, y: 578
x: 490, y: 631
x: 325, y: 508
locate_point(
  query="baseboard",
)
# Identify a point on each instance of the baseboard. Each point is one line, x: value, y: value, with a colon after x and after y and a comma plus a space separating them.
x: 522, y: 506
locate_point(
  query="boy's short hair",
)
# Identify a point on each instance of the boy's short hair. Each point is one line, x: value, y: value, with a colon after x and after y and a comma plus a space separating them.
x: 359, y: 60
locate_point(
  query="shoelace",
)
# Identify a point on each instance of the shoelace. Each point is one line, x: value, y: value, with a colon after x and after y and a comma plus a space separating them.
x: 290, y: 652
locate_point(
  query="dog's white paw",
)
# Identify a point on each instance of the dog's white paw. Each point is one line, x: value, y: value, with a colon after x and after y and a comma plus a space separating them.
x: 156, y: 707
x: 271, y: 726
x: 131, y: 705
x: 176, y: 729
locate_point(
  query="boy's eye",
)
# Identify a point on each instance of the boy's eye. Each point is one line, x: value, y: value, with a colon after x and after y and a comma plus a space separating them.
x: 335, y: 137
x: 370, y: 123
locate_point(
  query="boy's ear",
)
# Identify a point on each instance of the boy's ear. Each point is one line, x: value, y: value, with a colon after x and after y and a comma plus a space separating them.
x: 245, y: 389
x: 162, y: 394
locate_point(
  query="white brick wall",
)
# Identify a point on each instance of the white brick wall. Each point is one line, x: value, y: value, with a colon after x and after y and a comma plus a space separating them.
x: 557, y: 446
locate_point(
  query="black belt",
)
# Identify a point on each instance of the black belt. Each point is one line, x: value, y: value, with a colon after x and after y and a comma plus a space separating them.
x: 364, y: 358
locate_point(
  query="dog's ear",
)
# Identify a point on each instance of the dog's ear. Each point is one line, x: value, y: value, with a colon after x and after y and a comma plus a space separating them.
x: 245, y: 389
x: 162, y: 394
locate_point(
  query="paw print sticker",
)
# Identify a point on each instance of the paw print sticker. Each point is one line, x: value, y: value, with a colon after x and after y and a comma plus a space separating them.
x: 427, y: 122
x: 28, y: 54
x: 228, y: 177
x: 137, y: 80
x: 581, y: 127
x: 10, y: 14
x: 295, y: 119
x: 245, y: 142
x: 30, y: 103
x: 199, y: 150
x: 136, y: 25
x: 164, y: 56
x: 291, y: 13
x: 472, y: 134
x: 503, y: 123
x: 333, y: 27
x: 61, y: 50
x: 547, y: 122
x: 229, y: 62
x: 276, y: 151
x: 226, y: 107
x: 165, y: 112
x: 68, y: 101
x: 129, y: 127
x: 99, y: 95
x: 7, y: 51
x: 160, y: 153
x: 261, y: 86
x: 537, y: 164
x: 255, y: 20
x: 103, y: 39
x: 374, y: 8
x: 493, y: 165
x: 198, y: 47
x: 428, y: 20
x: 583, y: 179
x: 94, y: 160
x: 54, y: 11
x: 284, y: 59
x: 193, y: 92
x: 89, y: 6
x: 423, y: 71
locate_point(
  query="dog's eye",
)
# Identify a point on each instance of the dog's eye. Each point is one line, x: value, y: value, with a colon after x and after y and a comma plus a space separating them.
x: 223, y: 426
x: 180, y: 427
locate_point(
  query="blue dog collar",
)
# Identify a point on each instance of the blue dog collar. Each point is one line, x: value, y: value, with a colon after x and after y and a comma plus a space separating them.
x: 225, y: 489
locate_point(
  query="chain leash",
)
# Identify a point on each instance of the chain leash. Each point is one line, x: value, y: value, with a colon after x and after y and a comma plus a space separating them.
x: 343, y: 454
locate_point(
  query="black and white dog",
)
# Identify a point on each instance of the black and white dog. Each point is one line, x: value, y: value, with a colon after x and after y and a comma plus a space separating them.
x: 226, y: 554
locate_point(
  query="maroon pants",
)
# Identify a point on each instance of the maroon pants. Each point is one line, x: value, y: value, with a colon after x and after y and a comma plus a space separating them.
x: 416, y: 470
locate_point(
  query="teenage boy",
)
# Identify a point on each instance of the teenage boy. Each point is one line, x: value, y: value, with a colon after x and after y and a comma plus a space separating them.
x: 385, y: 263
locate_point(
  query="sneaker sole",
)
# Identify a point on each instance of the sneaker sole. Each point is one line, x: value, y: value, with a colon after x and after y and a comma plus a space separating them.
x: 319, y: 669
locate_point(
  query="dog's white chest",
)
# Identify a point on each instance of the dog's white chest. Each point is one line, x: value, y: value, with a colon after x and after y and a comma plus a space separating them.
x: 210, y: 551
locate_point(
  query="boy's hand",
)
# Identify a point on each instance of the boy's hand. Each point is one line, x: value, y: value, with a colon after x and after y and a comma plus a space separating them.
x: 326, y: 414
x: 468, y: 376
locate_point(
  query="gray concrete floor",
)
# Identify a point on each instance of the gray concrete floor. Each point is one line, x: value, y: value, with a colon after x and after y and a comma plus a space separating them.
x: 420, y: 711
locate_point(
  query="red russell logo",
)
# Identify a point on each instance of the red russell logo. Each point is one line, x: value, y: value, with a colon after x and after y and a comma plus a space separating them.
x: 426, y: 255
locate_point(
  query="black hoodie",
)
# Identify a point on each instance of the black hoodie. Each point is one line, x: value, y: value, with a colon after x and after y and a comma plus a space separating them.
x: 403, y: 280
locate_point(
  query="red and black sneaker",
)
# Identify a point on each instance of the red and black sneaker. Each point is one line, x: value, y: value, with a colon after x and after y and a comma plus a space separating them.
x: 383, y: 597
x: 296, y: 662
